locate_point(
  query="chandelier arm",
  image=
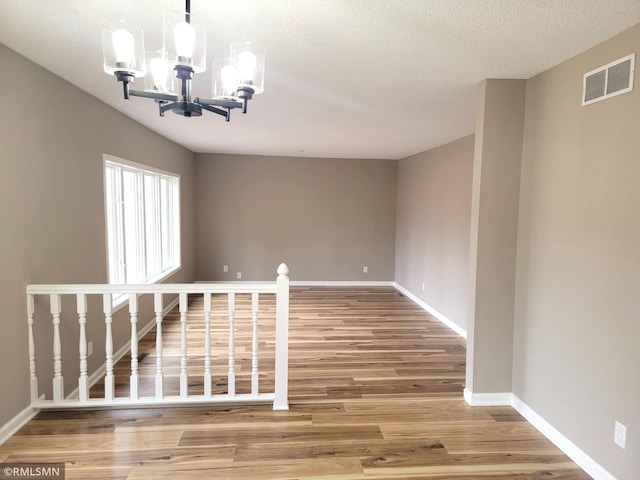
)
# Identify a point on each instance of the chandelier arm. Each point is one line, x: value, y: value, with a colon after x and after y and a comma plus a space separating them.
x: 166, y: 107
x: 218, y: 103
x: 219, y: 111
x: 156, y: 96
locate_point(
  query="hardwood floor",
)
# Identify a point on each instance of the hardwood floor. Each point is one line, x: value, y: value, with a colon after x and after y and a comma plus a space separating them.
x: 375, y: 391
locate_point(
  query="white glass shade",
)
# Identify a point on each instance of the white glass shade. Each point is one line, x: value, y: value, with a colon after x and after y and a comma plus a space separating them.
x: 160, y: 74
x: 123, y: 48
x: 185, y: 42
x: 249, y: 60
x: 225, y: 79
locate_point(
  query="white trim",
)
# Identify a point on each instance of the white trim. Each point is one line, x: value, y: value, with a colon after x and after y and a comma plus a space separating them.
x: 102, y: 370
x: 342, y: 283
x: 429, y: 309
x: 570, y: 449
x: 148, y: 288
x: 310, y: 283
x: 108, y: 158
x: 233, y: 282
x: 175, y: 400
x: 466, y: 393
x: 16, y: 423
x: 487, y: 399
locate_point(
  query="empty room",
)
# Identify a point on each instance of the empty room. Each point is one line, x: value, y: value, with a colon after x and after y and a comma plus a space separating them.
x: 348, y: 239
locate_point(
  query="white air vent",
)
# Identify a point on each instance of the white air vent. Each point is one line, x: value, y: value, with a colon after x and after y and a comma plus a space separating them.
x: 608, y: 81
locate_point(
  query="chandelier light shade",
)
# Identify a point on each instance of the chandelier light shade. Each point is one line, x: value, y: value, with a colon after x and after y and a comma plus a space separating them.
x: 185, y: 40
x: 160, y: 74
x: 169, y: 72
x: 249, y: 60
x: 225, y: 79
x: 123, y: 48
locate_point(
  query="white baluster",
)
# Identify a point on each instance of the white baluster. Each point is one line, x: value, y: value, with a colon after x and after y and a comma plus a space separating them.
x: 207, y: 344
x: 134, y: 392
x: 254, y: 344
x: 232, y: 345
x: 109, y: 383
x: 281, y: 401
x: 32, y: 350
x: 83, y: 383
x: 58, y: 381
x: 184, y: 376
x: 157, y: 302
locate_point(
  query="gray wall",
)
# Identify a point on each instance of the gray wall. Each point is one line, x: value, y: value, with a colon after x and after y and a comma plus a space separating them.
x: 432, y: 227
x: 326, y: 218
x: 494, y: 229
x: 577, y: 328
x: 52, y: 227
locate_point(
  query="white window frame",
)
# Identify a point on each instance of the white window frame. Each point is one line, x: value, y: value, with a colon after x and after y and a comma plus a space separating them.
x: 167, y: 257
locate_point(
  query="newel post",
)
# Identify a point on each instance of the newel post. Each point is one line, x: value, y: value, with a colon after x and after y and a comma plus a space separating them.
x: 281, y: 400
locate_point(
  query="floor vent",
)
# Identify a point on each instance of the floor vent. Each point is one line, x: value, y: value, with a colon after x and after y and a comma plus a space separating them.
x: 608, y: 81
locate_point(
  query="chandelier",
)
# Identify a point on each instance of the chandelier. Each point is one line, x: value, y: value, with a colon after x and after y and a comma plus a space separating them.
x: 235, y: 79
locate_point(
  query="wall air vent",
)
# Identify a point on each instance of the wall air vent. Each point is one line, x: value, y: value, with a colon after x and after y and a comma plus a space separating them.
x: 608, y: 81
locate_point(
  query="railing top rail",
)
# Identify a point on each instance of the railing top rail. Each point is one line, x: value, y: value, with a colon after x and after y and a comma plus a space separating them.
x: 168, y: 288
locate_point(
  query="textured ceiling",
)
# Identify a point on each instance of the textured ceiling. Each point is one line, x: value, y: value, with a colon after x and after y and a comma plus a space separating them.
x: 345, y: 78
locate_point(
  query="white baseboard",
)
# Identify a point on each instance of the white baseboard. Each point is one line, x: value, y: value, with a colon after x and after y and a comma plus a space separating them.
x: 570, y: 449
x: 100, y: 372
x: 487, y: 399
x: 317, y: 283
x: 16, y: 423
x: 341, y: 283
x: 575, y: 453
x: 234, y: 282
x: 429, y: 309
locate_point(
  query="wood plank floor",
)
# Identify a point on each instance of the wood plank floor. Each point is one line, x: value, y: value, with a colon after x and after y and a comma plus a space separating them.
x: 375, y: 390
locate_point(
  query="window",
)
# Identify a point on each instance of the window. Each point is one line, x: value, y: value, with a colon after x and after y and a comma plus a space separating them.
x: 142, y: 207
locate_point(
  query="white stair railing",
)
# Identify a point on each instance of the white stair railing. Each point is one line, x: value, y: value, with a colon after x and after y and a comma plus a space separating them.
x: 83, y: 293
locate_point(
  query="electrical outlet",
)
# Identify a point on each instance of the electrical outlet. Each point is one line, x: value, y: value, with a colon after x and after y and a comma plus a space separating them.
x: 620, y: 435
x: 90, y: 348
x: 365, y: 269
x: 239, y: 275
x: 225, y: 269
